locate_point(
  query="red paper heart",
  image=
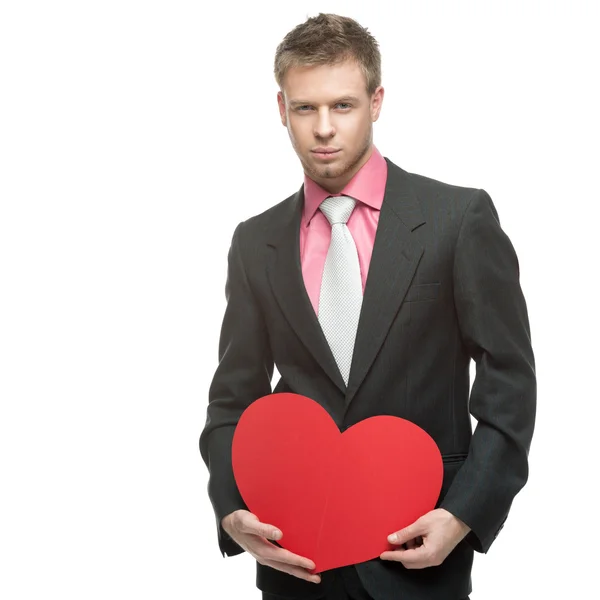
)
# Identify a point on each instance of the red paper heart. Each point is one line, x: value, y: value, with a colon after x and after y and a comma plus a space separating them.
x: 336, y: 497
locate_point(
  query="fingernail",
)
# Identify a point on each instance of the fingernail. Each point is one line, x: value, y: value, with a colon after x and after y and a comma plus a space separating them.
x: 392, y: 538
x: 277, y: 534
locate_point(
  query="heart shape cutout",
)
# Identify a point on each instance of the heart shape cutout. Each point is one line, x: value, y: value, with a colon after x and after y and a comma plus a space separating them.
x: 335, y: 496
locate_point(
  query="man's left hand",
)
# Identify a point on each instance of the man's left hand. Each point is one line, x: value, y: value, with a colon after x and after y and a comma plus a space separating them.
x: 428, y: 541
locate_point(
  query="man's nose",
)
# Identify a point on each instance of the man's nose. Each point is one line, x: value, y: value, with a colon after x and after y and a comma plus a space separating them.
x: 324, y: 127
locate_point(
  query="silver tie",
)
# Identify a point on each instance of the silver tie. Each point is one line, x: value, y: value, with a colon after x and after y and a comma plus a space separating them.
x: 341, y: 294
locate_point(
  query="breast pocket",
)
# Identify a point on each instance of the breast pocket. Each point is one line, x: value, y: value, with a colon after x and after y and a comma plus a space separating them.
x: 422, y: 292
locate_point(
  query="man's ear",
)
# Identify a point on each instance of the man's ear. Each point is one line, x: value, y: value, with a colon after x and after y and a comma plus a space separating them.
x: 281, y: 104
x: 376, y: 102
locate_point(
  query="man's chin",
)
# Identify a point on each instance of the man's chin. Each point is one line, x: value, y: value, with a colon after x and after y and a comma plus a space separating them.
x: 327, y: 171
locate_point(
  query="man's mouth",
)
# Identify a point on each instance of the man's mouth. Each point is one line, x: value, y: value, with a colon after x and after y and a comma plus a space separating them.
x: 325, y: 153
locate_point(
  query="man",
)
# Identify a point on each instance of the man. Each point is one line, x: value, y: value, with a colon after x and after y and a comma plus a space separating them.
x: 371, y: 289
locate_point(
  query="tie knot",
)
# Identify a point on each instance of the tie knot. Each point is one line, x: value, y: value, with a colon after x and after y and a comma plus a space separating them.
x: 337, y: 209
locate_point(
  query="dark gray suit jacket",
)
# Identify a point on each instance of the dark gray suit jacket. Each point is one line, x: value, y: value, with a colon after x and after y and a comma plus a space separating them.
x: 443, y: 288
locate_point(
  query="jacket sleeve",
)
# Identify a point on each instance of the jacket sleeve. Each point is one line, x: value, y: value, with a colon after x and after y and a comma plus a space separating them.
x: 494, y: 327
x: 243, y: 375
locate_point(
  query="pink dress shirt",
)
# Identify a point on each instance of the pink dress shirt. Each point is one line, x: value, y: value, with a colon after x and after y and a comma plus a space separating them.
x: 368, y: 188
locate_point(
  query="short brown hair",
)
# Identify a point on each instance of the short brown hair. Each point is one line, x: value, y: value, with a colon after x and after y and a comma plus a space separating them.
x: 329, y: 39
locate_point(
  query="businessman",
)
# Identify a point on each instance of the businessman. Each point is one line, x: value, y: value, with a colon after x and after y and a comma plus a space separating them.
x: 371, y: 289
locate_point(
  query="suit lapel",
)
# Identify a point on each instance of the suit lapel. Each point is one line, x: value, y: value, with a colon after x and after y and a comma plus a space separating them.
x: 395, y: 257
x: 285, y: 275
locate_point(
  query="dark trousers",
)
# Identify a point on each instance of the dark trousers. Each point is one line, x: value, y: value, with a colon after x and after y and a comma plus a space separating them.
x: 346, y: 586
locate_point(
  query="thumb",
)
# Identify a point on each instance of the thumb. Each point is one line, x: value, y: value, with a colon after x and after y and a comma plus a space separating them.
x: 408, y: 533
x: 254, y: 526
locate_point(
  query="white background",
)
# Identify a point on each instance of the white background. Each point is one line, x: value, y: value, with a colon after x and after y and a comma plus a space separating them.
x: 134, y: 136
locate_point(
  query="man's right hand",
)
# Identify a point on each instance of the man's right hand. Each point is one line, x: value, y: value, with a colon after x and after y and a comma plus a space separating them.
x: 252, y: 535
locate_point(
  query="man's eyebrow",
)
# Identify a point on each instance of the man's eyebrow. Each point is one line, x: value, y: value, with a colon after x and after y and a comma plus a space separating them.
x: 342, y: 99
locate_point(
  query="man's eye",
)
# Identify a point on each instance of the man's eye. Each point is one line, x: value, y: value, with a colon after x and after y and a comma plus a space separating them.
x: 342, y: 105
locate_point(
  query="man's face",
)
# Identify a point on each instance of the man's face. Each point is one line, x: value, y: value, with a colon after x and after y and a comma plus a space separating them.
x: 327, y: 107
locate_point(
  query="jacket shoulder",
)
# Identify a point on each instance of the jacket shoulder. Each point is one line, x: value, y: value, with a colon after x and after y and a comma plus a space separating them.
x: 428, y: 186
x: 272, y: 214
x: 440, y: 199
x: 256, y: 230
